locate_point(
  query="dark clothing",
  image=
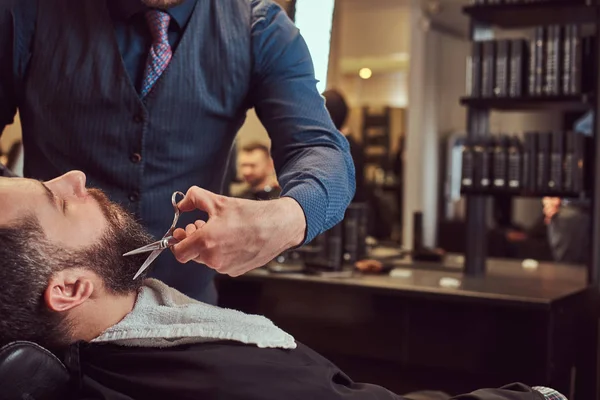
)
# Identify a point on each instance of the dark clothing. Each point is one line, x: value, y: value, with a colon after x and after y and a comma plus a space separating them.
x: 569, y: 234
x: 357, y: 152
x: 270, y: 194
x: 227, y: 371
x: 73, y: 69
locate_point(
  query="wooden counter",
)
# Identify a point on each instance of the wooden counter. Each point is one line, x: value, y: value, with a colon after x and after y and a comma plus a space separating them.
x: 409, y: 332
x: 506, y: 282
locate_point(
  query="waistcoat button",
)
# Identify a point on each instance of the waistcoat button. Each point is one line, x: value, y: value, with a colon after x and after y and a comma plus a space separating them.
x: 138, y: 118
x: 135, y: 158
x: 134, y: 197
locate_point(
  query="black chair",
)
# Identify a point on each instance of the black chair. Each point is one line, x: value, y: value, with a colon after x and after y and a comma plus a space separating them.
x: 30, y: 372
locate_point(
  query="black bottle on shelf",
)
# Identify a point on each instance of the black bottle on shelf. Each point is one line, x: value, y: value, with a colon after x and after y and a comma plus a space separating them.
x: 543, y: 162
x: 518, y: 67
x: 483, y: 163
x: 474, y: 66
x: 574, y: 162
x: 488, y: 68
x: 530, y: 161
x: 355, y: 227
x: 500, y: 159
x: 515, y: 164
x: 467, y: 176
x: 588, y: 62
x: 570, y: 166
x: 552, y: 60
x: 557, y: 162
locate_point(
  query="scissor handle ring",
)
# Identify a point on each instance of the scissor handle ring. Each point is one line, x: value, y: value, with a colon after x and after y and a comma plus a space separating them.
x: 177, y: 212
x: 174, y: 200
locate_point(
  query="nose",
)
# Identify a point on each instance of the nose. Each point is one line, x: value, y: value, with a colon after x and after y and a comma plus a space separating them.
x: 72, y: 182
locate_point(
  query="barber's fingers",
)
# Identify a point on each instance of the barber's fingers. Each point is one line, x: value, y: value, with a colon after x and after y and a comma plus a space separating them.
x: 199, y: 199
x: 199, y: 224
x: 191, y: 228
x: 191, y: 248
x: 180, y: 234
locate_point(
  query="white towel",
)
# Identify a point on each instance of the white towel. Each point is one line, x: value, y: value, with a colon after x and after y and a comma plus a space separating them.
x: 164, y: 317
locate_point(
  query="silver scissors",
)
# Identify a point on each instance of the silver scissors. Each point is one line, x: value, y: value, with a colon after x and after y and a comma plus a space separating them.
x: 157, y: 247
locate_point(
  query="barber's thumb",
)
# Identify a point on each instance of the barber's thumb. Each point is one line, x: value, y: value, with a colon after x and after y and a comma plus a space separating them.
x: 198, y: 199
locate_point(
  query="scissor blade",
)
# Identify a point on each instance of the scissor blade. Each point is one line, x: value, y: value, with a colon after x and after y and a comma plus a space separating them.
x: 147, y: 263
x: 146, y: 249
x: 159, y: 245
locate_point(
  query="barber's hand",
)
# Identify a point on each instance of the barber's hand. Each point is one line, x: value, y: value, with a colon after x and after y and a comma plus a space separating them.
x: 551, y: 207
x: 240, y: 235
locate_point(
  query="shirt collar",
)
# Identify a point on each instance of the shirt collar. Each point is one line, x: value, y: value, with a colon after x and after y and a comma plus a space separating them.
x: 125, y: 9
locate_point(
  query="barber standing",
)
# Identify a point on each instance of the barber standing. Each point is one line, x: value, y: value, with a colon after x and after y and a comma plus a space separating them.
x: 147, y: 96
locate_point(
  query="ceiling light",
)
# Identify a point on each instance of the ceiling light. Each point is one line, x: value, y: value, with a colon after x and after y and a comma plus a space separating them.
x: 365, y: 73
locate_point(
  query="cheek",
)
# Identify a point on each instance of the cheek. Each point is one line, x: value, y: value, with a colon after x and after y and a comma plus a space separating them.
x: 78, y: 229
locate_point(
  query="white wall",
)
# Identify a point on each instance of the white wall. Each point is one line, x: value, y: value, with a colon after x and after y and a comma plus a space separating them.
x: 420, y: 177
x: 450, y: 68
x: 377, y: 30
x: 374, y: 27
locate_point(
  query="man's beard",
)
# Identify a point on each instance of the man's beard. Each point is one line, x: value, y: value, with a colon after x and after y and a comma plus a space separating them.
x: 162, y: 4
x: 106, y: 256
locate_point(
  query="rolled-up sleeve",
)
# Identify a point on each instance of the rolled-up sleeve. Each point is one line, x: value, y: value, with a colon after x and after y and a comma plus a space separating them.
x: 8, y: 107
x: 311, y: 156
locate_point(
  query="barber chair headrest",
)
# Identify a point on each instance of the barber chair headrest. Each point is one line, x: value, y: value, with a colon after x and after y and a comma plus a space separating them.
x: 28, y: 371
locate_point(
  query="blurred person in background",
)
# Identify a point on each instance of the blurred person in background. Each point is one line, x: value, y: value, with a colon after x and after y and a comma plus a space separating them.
x: 258, y: 172
x: 380, y: 225
x: 568, y: 220
x: 338, y: 110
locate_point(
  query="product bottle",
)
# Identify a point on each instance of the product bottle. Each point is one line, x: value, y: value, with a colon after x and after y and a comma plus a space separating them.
x: 501, y: 163
x: 468, y: 178
x: 530, y: 162
x: 543, y: 162
x: 570, y: 163
x: 485, y: 166
x: 515, y: 164
x: 557, y: 162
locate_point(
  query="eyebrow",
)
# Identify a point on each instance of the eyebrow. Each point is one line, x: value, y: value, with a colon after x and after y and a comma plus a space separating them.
x: 49, y: 195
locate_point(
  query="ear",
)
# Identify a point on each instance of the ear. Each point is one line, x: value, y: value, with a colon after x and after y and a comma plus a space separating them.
x: 68, y: 289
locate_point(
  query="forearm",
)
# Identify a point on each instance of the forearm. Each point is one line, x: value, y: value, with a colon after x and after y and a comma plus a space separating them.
x: 321, y: 180
x: 312, y: 158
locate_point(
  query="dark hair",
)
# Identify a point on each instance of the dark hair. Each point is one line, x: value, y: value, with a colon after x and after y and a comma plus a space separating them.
x: 254, y: 146
x: 337, y: 107
x: 25, y: 272
x: 28, y: 261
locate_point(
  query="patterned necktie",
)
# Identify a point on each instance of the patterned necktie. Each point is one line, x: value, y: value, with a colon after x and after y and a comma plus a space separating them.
x: 160, y: 53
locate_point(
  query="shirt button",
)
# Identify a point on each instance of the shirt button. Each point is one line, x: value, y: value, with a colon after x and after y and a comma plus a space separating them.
x: 135, y: 158
x: 134, y: 197
x: 138, y: 118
